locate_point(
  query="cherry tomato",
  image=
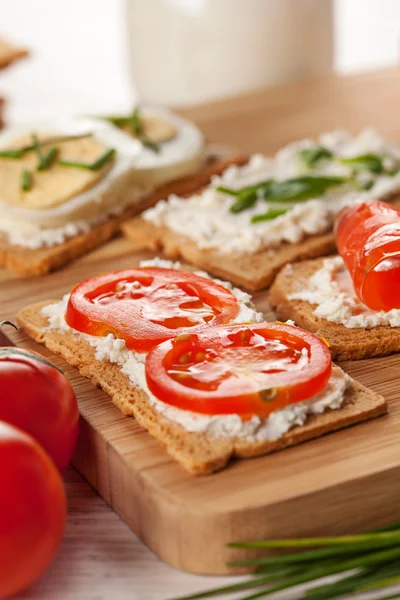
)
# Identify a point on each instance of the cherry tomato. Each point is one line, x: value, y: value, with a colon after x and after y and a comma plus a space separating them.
x: 38, y: 398
x: 32, y: 510
x: 368, y: 239
x: 240, y: 369
x: 148, y: 305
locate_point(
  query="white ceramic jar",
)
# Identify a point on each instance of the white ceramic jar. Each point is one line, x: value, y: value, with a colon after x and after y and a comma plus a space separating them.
x: 191, y: 51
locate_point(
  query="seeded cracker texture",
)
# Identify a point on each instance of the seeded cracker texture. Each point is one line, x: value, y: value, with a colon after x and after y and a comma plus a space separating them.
x: 344, y: 343
x: 198, y: 453
x: 26, y: 262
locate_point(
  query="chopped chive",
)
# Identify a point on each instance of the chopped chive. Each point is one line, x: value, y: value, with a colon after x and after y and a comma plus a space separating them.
x: 136, y: 122
x: 100, y: 162
x: 245, y: 200
x: 26, y: 180
x: 151, y: 145
x: 11, y: 153
x: 19, y: 152
x: 226, y: 190
x: 94, y: 166
x: 36, y: 148
x: 365, y: 162
x: 309, y: 157
x: 48, y: 159
x: 271, y: 214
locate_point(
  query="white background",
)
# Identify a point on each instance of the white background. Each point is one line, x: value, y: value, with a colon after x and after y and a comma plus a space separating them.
x: 79, y: 61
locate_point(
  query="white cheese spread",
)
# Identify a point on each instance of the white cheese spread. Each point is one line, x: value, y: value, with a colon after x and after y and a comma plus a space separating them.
x: 334, y: 302
x: 233, y: 426
x: 206, y: 218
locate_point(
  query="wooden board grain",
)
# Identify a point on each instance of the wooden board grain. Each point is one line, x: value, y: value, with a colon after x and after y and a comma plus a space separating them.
x: 347, y: 481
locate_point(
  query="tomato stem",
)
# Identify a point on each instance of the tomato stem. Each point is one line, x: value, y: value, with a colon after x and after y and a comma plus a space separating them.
x: 12, y: 350
x: 2, y: 323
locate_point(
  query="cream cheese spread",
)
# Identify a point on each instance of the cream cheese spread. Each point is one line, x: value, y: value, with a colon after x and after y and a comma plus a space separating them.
x: 232, y: 426
x: 206, y: 218
x: 334, y: 303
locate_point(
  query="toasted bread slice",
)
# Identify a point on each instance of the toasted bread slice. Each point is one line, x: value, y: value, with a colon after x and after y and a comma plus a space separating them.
x: 26, y: 262
x: 251, y: 271
x: 10, y: 53
x: 198, y: 453
x: 345, y: 343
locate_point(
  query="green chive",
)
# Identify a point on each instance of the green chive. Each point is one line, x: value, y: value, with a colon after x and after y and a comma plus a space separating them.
x: 245, y: 200
x: 323, y: 541
x: 100, y: 162
x: 151, y: 145
x: 26, y: 180
x: 11, y: 153
x: 48, y: 159
x: 309, y: 157
x: 19, y: 152
x: 224, y: 190
x: 136, y: 122
x: 272, y: 213
x: 365, y: 162
x: 36, y: 148
x: 94, y: 166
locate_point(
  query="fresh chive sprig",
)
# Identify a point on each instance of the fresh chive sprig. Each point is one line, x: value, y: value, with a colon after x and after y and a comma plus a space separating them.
x: 26, y: 180
x: 93, y: 166
x: 361, y: 563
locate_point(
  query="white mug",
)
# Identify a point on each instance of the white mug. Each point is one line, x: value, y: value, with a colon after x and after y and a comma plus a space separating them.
x: 192, y: 51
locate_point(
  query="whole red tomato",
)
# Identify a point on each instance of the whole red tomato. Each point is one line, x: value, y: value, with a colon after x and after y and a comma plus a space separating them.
x: 32, y: 510
x: 37, y: 397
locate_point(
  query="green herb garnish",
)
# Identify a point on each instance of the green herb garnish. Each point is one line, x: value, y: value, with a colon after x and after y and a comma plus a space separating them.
x: 363, y: 563
x: 246, y: 196
x: 365, y: 162
x: 36, y: 148
x: 26, y: 180
x: 94, y: 166
x: 48, y: 159
x: 272, y: 213
x: 309, y: 157
x: 244, y: 201
x: 19, y: 152
x: 134, y: 121
x: 299, y: 189
x: 11, y: 153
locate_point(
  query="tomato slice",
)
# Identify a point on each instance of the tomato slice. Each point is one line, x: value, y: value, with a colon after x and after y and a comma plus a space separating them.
x: 148, y: 305
x: 248, y: 370
x: 368, y: 239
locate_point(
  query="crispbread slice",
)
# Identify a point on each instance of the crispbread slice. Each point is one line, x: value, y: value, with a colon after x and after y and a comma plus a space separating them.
x: 10, y: 53
x: 196, y: 452
x: 251, y: 271
x: 345, y: 343
x: 26, y: 262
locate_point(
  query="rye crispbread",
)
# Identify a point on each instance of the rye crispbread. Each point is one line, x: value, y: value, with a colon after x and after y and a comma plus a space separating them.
x: 195, y: 452
x: 251, y: 271
x: 27, y: 262
x: 344, y: 343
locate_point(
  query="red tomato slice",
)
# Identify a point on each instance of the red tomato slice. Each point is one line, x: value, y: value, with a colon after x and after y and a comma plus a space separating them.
x: 148, y: 305
x: 368, y: 240
x: 239, y: 369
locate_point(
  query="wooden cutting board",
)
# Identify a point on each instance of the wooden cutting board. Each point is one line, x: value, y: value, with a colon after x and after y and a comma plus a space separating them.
x: 345, y: 482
